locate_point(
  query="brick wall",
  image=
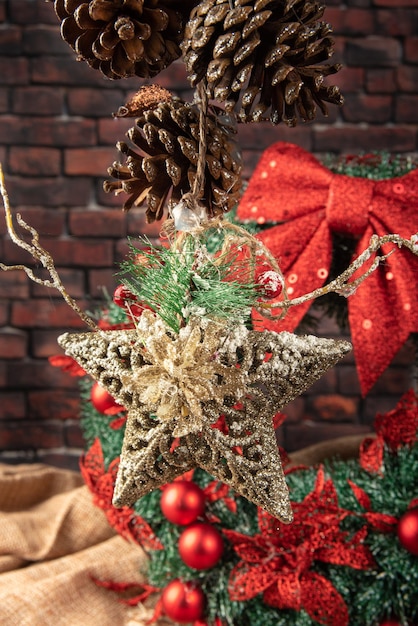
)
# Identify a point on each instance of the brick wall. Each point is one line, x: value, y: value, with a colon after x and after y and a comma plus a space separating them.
x: 57, y: 138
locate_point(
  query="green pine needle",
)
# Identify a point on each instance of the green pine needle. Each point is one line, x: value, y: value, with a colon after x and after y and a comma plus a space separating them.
x: 180, y: 284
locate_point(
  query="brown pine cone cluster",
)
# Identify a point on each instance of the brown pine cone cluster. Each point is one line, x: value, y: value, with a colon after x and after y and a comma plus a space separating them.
x: 124, y: 38
x: 160, y: 163
x: 263, y: 58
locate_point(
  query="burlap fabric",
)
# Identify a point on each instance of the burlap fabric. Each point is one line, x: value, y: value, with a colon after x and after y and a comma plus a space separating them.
x: 53, y: 541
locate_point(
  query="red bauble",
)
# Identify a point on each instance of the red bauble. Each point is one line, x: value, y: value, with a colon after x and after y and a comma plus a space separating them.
x: 270, y: 283
x: 408, y: 531
x: 182, y: 502
x: 390, y: 622
x: 124, y: 298
x: 183, y: 602
x: 102, y: 400
x: 201, y: 545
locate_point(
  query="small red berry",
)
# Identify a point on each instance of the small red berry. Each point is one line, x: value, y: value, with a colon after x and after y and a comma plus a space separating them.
x: 271, y: 284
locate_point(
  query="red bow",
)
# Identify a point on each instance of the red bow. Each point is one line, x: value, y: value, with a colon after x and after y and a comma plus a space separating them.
x: 290, y: 186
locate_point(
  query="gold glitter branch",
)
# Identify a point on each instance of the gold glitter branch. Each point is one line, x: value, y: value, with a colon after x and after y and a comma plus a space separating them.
x: 38, y: 253
x: 342, y: 285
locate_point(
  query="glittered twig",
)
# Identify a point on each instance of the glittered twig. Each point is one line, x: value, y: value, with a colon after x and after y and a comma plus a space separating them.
x: 341, y: 284
x: 38, y: 253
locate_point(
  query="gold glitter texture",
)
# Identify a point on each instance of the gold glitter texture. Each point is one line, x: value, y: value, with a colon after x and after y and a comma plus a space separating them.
x: 273, y: 369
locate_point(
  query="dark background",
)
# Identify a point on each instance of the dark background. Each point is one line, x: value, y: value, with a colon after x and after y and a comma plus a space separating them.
x: 57, y: 138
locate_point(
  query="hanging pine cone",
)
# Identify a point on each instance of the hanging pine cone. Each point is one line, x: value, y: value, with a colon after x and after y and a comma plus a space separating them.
x: 167, y: 138
x: 262, y: 58
x: 124, y: 38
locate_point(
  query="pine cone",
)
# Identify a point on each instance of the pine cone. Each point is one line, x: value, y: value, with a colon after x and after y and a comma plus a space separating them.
x: 262, y: 58
x: 167, y: 137
x: 124, y: 38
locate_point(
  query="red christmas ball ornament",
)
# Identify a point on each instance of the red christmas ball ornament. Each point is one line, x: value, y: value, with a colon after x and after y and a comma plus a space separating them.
x: 390, y: 622
x: 182, y: 502
x: 201, y: 545
x: 183, y: 602
x: 408, y: 531
x: 102, y: 400
x: 270, y: 283
x: 124, y: 298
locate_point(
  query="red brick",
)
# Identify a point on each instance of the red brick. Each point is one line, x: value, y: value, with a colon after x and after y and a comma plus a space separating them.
x: 4, y: 316
x: 13, y: 344
x: 97, y: 223
x: 88, y: 161
x: 14, y: 284
x: 50, y: 222
x: 364, y: 108
x: 355, y: 3
x: 373, y: 52
x: 69, y: 460
x: 37, y: 101
x: 309, y: 433
x: 73, y: 281
x: 381, y: 80
x: 44, y: 343
x: 174, y: 77
x: 3, y: 374
x: 259, y: 136
x: 37, y: 374
x: 62, y: 70
x: 101, y: 281
x: 2, y: 11
x: 326, y: 384
x: 44, y: 314
x: 25, y: 435
x: 353, y: 139
x: 4, y: 100
x: 350, y: 79
x: 11, y: 41
x: 54, y: 404
x: 83, y: 252
x: 334, y: 407
x: 398, y: 22
x: 35, y: 161
x: 407, y: 77
x: 74, y: 436
x: 49, y: 192
x: 407, y: 109
x: 46, y: 132
x: 411, y: 50
x: 12, y: 405
x: 394, y: 381
x: 137, y: 225
x: 32, y: 12
x: 14, y: 71
x: 69, y: 252
x: 395, y: 3
x: 94, y: 102
x: 110, y: 131
x: 41, y: 39
x: 350, y: 21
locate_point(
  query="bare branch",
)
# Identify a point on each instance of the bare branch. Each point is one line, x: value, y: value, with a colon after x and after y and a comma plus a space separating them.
x: 342, y: 284
x: 39, y: 254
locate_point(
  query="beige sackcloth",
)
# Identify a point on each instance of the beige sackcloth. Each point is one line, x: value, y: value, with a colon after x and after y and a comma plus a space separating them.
x: 53, y: 540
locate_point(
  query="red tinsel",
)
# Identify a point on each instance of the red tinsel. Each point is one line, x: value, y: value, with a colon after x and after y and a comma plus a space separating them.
x: 101, y: 483
x: 310, y: 203
x: 394, y: 429
x: 278, y: 560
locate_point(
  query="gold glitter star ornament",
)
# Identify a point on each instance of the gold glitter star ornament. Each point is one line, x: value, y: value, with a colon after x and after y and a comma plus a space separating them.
x: 203, y: 397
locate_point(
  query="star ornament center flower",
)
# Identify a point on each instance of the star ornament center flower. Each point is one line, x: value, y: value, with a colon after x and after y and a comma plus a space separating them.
x: 185, y: 372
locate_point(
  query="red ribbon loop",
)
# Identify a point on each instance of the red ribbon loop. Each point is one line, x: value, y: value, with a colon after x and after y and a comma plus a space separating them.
x: 348, y: 204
